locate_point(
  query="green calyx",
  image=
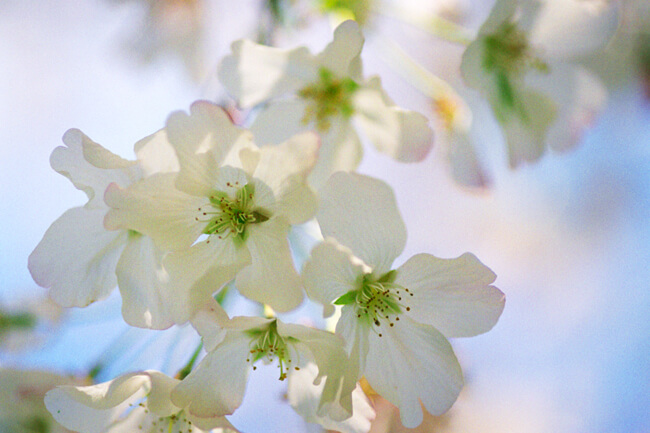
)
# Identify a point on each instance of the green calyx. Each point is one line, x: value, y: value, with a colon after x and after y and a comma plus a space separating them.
x: 377, y: 300
x: 328, y: 97
x: 231, y: 217
x: 268, y: 344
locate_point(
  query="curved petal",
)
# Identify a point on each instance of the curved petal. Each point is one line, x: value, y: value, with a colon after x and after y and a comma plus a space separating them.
x: 466, y: 167
x: 284, y: 168
x: 91, y: 409
x: 452, y: 295
x: 412, y: 363
x: 271, y: 278
x: 90, y: 167
x: 77, y: 257
x: 156, y: 208
x: 361, y: 213
x: 304, y: 396
x: 401, y: 134
x: 210, y: 322
x: 156, y: 155
x: 140, y: 276
x: 340, y: 150
x: 331, y: 272
x: 279, y: 120
x: 254, y: 73
x: 216, y: 387
x: 202, y: 140
x: 342, y: 54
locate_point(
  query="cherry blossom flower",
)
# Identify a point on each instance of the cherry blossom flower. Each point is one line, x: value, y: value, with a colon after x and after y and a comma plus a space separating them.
x: 78, y: 259
x: 396, y: 321
x: 134, y: 402
x: 521, y: 61
x: 238, y: 200
x: 216, y: 387
x: 325, y: 92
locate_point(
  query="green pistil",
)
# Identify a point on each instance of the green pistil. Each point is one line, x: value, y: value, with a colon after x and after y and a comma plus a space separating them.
x: 377, y: 299
x: 328, y: 97
x: 231, y: 217
x: 268, y: 344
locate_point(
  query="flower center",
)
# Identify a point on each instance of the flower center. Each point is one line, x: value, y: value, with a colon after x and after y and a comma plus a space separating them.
x: 378, y: 300
x: 508, y: 54
x: 227, y: 216
x: 267, y: 344
x: 176, y: 423
x: 328, y: 97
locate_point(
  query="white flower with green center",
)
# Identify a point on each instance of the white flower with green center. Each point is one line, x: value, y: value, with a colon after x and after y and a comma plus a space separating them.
x: 396, y: 322
x: 216, y: 387
x: 78, y: 259
x: 226, y: 213
x: 327, y: 93
x: 134, y: 403
x: 521, y: 65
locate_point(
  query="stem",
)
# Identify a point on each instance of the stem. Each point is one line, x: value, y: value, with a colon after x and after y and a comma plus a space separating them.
x: 185, y: 371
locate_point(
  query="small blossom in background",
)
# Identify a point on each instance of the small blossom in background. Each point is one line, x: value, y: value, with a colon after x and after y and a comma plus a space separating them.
x: 28, y: 325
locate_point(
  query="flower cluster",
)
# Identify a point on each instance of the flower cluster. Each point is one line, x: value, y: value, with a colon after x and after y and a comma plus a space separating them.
x: 206, y: 203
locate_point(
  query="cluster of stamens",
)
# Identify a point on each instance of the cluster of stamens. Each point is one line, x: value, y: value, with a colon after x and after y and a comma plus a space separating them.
x: 226, y: 216
x: 329, y: 96
x: 267, y: 344
x: 176, y: 423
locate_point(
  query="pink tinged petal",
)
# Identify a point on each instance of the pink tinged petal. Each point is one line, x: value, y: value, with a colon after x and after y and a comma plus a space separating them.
x: 195, y: 274
x: 92, y: 409
x: 210, y: 322
x: 271, y: 278
x: 331, y: 272
x: 466, y: 168
x: 279, y: 121
x: 401, y: 134
x: 573, y: 28
x: 254, y: 73
x: 140, y: 276
x: 202, y: 141
x: 344, y: 51
x: 156, y: 155
x: 284, y: 168
x: 216, y: 387
x: 90, y: 167
x: 361, y: 213
x: 526, y: 128
x: 77, y: 258
x: 412, y: 363
x: 326, y: 350
x: 452, y: 295
x: 156, y: 208
x: 304, y: 397
x: 340, y: 150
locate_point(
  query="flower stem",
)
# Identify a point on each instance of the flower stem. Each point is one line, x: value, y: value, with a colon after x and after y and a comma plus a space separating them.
x: 432, y: 24
x: 183, y: 372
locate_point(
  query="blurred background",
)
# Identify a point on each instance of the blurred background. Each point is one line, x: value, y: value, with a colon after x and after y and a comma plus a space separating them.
x: 567, y: 236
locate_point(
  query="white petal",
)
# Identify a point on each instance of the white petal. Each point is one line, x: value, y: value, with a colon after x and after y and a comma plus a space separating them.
x: 156, y: 155
x: 502, y: 11
x: 195, y: 274
x: 452, y: 295
x: 355, y: 336
x: 202, y: 141
x: 90, y: 167
x: 401, y: 134
x: 571, y: 28
x: 271, y: 278
x: 340, y: 150
x: 361, y: 213
x: 331, y: 272
x: 77, y: 257
x: 472, y: 69
x: 216, y: 387
x: 344, y: 51
x: 466, y: 168
x: 304, y: 396
x: 284, y: 168
x: 140, y: 276
x: 209, y: 322
x: 158, y: 400
x: 279, y: 120
x: 156, y: 208
x: 254, y: 73
x: 412, y: 363
x: 91, y: 409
